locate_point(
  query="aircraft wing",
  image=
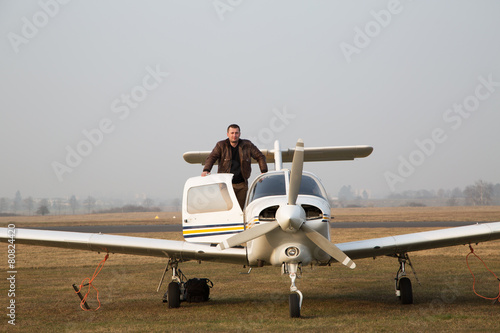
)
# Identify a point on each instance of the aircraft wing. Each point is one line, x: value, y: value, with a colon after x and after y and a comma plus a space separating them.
x: 311, y: 154
x: 426, y: 240
x: 125, y: 244
x: 180, y: 250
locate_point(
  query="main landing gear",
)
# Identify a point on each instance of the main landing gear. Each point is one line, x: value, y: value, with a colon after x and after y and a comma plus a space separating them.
x: 295, y: 298
x: 176, y: 289
x: 403, y: 283
x: 182, y: 289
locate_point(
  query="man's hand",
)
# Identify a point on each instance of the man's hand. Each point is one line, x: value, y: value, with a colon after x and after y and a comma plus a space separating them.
x: 205, y: 173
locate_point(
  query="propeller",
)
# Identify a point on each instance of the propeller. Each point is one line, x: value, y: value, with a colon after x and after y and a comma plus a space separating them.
x: 296, y: 173
x: 327, y: 246
x: 248, y: 235
x: 291, y: 217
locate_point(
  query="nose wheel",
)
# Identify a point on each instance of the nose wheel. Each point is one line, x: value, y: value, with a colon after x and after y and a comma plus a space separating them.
x: 295, y: 301
x: 295, y: 298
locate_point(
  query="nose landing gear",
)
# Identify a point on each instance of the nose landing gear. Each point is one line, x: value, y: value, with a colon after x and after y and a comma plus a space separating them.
x: 295, y: 298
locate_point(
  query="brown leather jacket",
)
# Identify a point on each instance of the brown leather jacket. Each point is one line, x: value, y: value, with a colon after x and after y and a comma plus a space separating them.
x: 222, y: 154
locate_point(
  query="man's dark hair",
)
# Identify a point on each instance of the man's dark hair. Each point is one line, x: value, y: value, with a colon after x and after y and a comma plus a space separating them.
x: 233, y: 126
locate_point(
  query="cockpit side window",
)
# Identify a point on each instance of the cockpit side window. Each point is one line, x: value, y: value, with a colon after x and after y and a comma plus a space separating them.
x: 208, y: 198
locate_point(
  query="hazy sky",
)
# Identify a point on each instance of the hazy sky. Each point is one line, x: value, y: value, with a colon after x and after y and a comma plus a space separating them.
x: 102, y: 98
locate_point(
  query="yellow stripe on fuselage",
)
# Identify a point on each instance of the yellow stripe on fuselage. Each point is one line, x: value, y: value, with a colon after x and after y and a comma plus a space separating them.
x: 188, y: 232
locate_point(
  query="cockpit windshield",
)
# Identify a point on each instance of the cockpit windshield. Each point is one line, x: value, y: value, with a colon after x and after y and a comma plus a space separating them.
x: 268, y: 185
x: 310, y: 186
x: 274, y: 184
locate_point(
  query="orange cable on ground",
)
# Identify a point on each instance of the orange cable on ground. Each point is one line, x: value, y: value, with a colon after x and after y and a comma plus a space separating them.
x: 96, y: 272
x: 497, y: 298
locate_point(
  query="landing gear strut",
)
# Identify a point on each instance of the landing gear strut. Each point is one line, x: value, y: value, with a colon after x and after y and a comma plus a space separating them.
x: 295, y: 298
x: 175, y: 290
x: 403, y: 283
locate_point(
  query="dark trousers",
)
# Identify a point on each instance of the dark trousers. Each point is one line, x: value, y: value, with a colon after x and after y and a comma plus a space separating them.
x: 241, y: 190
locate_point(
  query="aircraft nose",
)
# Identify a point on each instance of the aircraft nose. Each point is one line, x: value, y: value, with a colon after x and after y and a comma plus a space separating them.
x: 290, y: 217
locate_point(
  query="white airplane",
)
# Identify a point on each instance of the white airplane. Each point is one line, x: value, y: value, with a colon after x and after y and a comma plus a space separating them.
x: 285, y: 223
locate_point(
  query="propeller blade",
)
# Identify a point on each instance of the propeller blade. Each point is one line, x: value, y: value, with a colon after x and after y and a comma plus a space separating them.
x: 327, y: 246
x: 248, y: 235
x: 296, y: 173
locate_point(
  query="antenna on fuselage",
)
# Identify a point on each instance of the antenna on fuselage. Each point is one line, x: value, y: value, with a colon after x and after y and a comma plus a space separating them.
x: 278, y: 160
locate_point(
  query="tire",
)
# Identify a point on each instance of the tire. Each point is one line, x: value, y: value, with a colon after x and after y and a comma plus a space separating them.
x: 406, y: 291
x: 294, y: 303
x: 173, y: 295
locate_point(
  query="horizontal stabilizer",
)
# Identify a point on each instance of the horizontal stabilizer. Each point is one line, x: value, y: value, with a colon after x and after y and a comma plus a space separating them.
x: 311, y: 154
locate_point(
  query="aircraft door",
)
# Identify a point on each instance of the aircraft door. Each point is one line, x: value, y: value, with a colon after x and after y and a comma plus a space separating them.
x: 210, y: 209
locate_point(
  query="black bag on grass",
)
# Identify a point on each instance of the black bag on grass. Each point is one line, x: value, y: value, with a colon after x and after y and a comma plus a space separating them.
x: 198, y: 290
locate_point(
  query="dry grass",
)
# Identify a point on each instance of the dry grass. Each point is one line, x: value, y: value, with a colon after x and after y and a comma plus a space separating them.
x: 336, y: 298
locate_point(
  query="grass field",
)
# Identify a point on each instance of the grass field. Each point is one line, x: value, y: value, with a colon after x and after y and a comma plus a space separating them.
x: 335, y: 298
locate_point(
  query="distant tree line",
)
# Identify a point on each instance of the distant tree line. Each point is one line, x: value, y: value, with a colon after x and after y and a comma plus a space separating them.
x: 481, y: 193
x: 30, y: 206
x: 347, y: 193
x: 129, y: 209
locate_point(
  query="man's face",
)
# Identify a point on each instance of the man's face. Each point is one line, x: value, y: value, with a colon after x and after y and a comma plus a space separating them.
x: 233, y: 134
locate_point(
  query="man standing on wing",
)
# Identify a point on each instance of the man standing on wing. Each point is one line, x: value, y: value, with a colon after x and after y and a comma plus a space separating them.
x: 234, y: 155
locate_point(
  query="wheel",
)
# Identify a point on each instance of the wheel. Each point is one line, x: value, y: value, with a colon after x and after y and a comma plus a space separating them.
x: 406, y: 291
x: 294, y: 303
x: 174, y: 295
